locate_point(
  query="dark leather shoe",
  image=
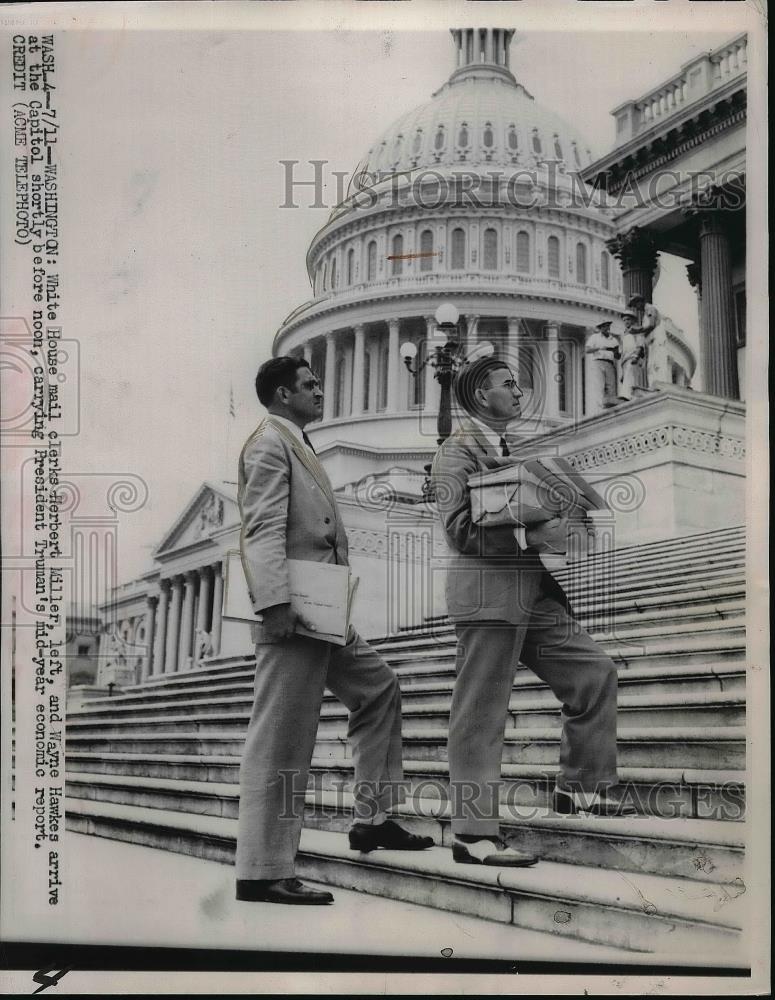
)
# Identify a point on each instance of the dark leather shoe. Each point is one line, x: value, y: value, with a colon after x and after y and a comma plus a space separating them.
x: 281, y: 890
x: 606, y: 805
x: 492, y: 851
x: 365, y: 837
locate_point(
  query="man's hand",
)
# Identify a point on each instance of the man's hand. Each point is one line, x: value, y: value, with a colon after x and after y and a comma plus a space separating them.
x: 549, y: 536
x: 280, y: 622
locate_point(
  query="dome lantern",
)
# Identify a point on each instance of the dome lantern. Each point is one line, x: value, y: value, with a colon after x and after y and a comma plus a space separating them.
x: 481, y: 49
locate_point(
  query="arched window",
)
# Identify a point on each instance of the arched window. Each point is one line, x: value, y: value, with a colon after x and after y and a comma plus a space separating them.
x: 438, y: 141
x: 553, y: 256
x: 426, y: 246
x: 398, y: 249
x: 489, y: 137
x: 562, y: 380
x: 462, y: 136
x: 350, y: 266
x: 417, y: 144
x: 537, y: 147
x: 490, y: 250
x: 523, y: 253
x: 512, y: 139
x: 339, y: 377
x: 397, y: 147
x: 325, y: 277
x: 371, y: 261
x: 605, y: 276
x: 576, y: 157
x: 333, y: 273
x: 581, y: 264
x: 458, y: 259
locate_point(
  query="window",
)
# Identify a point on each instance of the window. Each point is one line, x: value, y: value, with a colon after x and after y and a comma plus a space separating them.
x: 490, y: 250
x: 371, y: 261
x: 439, y: 139
x: 581, y: 264
x: 83, y: 648
x: 397, y: 147
x: 512, y: 139
x: 462, y: 137
x: 398, y: 249
x: 557, y: 148
x: 339, y: 377
x: 417, y: 144
x: 426, y: 246
x: 458, y: 262
x: 562, y: 383
x: 605, y: 274
x: 383, y: 377
x: 576, y: 157
x: 489, y: 137
x: 333, y: 274
x: 553, y: 256
x: 368, y: 361
x: 416, y: 386
x: 350, y: 266
x: 537, y: 147
x: 325, y: 275
x: 523, y: 253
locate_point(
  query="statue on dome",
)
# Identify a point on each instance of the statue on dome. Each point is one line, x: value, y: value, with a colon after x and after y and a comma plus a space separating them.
x: 605, y: 349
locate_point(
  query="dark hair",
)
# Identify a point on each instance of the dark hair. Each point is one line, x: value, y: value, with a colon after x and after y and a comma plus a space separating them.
x: 472, y: 377
x: 275, y: 373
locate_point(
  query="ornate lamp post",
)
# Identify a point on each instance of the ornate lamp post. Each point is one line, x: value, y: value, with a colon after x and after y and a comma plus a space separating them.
x: 445, y: 359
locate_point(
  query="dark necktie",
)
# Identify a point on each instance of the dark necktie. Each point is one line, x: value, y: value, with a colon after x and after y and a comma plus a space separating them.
x: 308, y: 442
x: 504, y: 447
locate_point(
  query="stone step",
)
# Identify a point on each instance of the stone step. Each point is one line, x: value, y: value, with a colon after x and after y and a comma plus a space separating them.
x: 650, y: 914
x: 657, y: 709
x: 667, y: 793
x: 690, y: 545
x: 702, y: 747
x: 703, y: 850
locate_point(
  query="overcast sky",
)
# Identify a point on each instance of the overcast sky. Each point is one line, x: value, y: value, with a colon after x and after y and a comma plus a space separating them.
x: 180, y: 265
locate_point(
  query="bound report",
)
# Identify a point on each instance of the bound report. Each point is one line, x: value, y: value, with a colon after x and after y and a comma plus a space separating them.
x: 322, y: 592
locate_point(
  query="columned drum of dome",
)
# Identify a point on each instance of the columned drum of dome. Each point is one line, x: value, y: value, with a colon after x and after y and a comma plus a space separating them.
x: 473, y: 198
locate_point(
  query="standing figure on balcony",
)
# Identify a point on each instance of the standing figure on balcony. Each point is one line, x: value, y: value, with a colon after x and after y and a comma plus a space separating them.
x: 605, y: 349
x: 633, y: 374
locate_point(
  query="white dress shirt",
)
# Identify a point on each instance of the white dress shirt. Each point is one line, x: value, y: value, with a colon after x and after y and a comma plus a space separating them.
x: 293, y: 428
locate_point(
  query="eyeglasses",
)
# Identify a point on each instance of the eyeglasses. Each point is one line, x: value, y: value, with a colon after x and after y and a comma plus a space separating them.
x: 510, y: 384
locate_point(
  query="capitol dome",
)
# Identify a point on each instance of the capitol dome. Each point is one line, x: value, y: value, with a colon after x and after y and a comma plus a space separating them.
x: 481, y: 117
x: 465, y: 200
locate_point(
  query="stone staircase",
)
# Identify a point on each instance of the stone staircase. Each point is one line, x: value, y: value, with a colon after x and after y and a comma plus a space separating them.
x: 158, y: 765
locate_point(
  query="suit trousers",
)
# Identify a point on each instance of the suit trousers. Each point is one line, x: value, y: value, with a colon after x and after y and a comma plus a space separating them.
x: 555, y: 647
x: 290, y: 680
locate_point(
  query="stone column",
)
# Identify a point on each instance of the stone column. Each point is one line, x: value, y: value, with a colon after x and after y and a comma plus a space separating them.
x: 150, y: 636
x: 186, y: 622
x: 329, y: 379
x: 718, y: 347
x: 432, y: 387
x: 217, y: 607
x: 203, y: 610
x: 552, y: 401
x: 636, y: 251
x: 161, y: 628
x: 359, y: 359
x: 394, y: 368
x: 173, y: 627
x: 513, y: 351
x: 472, y: 322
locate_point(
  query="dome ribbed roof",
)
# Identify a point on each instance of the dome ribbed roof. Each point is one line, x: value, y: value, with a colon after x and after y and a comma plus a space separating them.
x: 485, y: 120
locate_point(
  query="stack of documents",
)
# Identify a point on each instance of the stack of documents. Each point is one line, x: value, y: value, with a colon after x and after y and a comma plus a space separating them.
x: 322, y: 592
x: 531, y: 491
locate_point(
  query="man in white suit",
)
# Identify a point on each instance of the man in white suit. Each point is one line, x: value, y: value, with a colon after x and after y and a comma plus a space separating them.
x: 289, y: 512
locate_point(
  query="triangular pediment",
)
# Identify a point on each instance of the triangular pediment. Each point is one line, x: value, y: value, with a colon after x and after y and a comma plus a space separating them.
x: 212, y: 508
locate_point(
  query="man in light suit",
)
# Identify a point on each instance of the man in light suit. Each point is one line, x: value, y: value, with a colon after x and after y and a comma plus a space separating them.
x: 289, y: 512
x: 505, y: 607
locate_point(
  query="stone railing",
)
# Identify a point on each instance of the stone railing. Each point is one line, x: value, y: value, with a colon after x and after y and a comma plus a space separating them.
x: 696, y: 79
